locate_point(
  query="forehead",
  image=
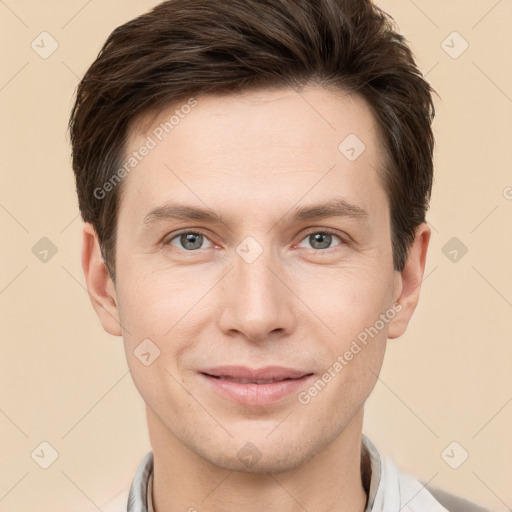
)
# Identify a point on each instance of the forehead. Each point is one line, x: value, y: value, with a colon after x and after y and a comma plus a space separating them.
x: 256, y: 148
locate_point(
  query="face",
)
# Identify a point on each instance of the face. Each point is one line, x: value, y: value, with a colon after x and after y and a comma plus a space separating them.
x: 271, y: 279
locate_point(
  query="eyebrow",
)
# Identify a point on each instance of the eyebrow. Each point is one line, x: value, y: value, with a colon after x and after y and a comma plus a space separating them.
x: 336, y: 207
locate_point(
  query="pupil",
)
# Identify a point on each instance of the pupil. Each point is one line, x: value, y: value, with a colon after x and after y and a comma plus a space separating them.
x: 323, y: 239
x: 189, y: 240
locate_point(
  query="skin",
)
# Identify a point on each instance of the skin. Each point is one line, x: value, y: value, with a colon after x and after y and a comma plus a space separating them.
x: 254, y: 158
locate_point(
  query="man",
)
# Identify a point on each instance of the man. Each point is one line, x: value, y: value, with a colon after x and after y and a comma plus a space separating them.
x: 253, y: 177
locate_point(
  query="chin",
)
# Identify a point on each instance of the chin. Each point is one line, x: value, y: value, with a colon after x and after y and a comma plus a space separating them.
x: 259, y: 454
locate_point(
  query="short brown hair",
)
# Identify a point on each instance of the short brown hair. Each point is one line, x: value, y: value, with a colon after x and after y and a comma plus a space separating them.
x: 184, y: 48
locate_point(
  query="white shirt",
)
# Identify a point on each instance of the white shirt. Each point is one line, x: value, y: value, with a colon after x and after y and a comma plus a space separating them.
x: 390, y: 489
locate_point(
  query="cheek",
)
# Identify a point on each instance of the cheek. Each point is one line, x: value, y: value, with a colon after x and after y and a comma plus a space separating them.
x: 154, y: 312
x: 350, y: 302
x: 150, y: 304
x: 162, y: 314
x: 345, y: 299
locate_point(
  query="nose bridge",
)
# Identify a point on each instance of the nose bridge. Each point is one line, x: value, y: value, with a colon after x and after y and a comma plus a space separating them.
x: 257, y: 301
x: 256, y: 278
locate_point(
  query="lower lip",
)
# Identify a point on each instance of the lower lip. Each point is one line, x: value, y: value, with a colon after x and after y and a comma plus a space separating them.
x: 256, y: 394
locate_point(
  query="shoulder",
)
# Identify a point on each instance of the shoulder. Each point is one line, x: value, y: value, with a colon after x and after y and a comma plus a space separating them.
x: 454, y: 503
x: 395, y: 488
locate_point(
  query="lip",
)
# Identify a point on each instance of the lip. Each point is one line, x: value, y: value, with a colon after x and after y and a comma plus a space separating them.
x: 264, y: 373
x: 287, y: 380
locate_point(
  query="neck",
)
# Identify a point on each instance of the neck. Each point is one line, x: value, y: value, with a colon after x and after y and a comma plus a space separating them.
x: 335, y: 479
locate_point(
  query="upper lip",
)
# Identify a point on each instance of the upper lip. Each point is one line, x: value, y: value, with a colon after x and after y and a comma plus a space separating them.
x: 264, y: 373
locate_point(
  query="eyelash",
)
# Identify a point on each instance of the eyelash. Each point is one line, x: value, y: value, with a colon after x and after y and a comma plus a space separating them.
x: 315, y: 231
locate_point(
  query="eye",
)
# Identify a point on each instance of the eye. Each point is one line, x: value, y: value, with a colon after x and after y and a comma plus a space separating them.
x: 192, y: 241
x: 189, y: 240
x: 321, y: 240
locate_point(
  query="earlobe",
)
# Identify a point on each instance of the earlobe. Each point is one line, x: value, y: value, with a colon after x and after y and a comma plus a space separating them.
x: 99, y: 284
x: 408, y: 281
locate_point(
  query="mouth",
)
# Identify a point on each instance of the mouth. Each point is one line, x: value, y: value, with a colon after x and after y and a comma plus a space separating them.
x: 255, y: 375
x: 252, y: 381
x: 256, y: 387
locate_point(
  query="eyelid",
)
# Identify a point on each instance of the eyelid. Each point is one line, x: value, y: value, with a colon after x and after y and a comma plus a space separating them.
x: 331, y: 231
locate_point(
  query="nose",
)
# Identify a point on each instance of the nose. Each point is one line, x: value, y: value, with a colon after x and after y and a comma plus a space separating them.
x: 257, y: 303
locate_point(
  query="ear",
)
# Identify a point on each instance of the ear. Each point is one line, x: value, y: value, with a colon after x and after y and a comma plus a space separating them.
x: 408, y: 281
x: 99, y: 284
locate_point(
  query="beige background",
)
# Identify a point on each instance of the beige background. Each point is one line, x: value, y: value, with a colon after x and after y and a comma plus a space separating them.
x: 66, y: 382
